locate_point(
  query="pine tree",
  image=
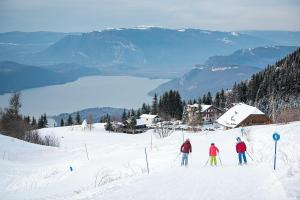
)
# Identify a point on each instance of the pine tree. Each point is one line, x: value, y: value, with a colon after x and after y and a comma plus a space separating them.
x: 154, y: 109
x: 217, y: 100
x: 62, y: 123
x: 124, y: 117
x: 70, y: 120
x: 108, y: 126
x: 78, y: 119
x: 33, y: 122
x: 45, y: 121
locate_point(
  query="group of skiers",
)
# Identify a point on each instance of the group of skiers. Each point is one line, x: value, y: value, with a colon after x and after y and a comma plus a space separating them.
x: 241, y: 148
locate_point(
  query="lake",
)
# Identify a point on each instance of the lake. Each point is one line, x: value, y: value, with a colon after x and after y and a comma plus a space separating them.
x: 86, y: 92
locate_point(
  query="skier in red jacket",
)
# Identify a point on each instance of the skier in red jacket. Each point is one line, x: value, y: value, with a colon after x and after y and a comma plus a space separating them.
x: 213, y: 150
x: 241, y: 150
x: 185, y: 149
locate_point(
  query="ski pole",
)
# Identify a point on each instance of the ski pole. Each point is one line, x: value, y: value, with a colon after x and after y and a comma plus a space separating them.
x: 249, y: 155
x: 177, y: 156
x: 220, y: 160
x: 206, y: 161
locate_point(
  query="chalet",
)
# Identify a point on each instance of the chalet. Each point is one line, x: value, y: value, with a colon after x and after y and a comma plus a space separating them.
x: 243, y: 115
x: 209, y: 113
x: 149, y: 119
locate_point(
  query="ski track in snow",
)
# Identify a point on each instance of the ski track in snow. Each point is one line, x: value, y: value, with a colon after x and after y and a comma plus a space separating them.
x: 116, y: 167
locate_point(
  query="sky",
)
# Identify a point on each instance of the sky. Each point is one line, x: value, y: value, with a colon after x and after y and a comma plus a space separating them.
x: 90, y: 15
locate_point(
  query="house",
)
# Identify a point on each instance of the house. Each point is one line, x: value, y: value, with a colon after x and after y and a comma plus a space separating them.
x: 209, y: 113
x: 243, y: 115
x: 149, y: 119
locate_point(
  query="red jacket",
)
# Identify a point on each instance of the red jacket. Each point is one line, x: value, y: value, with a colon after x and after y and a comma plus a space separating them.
x: 186, y: 147
x: 241, y: 147
x: 213, y: 150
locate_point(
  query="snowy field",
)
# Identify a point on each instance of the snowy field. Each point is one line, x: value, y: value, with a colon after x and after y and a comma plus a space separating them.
x: 115, y: 167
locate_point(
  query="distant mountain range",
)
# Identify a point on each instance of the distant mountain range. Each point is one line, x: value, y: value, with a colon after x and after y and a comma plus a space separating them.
x: 285, y: 38
x: 143, y: 51
x: 152, y: 52
x: 255, y: 57
x: 15, y: 76
x: 96, y: 113
x: 223, y: 71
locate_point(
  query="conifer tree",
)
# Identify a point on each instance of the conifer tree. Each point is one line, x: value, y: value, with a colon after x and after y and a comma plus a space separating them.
x: 62, y: 123
x: 154, y: 108
x: 78, y: 120
x: 124, y: 117
x: 70, y: 120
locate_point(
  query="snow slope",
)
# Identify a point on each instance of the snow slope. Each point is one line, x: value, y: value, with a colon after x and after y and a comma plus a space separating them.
x: 116, y: 167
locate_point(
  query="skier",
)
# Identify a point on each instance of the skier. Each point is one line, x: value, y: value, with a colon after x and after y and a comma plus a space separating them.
x: 213, y: 150
x: 185, y: 149
x: 241, y: 149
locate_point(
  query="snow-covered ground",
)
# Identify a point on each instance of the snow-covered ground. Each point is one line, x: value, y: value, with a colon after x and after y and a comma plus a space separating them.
x: 115, y: 167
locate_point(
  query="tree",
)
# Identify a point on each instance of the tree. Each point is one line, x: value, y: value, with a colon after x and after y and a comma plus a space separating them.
x: 62, y: 123
x: 208, y: 99
x: 11, y: 122
x: 124, y: 117
x: 222, y: 99
x: 108, y: 125
x: 154, y: 108
x: 78, y: 119
x: 70, y: 121
x: 33, y: 122
x: 217, y: 100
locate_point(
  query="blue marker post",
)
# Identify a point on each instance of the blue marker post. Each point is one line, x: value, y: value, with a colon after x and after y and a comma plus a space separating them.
x: 276, y: 137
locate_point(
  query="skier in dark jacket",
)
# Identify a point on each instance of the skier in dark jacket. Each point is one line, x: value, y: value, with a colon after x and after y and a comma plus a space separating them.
x: 241, y: 150
x: 185, y: 149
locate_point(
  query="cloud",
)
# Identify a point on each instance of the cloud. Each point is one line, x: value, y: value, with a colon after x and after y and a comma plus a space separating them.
x: 88, y: 15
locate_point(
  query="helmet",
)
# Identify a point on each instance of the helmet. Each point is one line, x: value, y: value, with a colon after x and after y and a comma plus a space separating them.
x: 212, y: 144
x: 238, y: 139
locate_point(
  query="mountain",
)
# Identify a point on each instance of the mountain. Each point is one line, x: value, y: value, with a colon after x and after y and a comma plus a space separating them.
x: 96, y: 113
x: 203, y: 79
x: 256, y: 57
x: 144, y: 49
x: 223, y: 71
x: 15, y: 76
x: 16, y: 45
x: 273, y: 89
x: 287, y: 38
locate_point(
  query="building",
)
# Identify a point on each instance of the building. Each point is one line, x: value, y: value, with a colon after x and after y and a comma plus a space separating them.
x: 209, y: 113
x: 243, y: 115
x: 149, y: 119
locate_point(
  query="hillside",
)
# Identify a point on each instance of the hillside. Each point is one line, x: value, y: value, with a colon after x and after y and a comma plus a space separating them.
x: 17, y: 46
x: 96, y: 113
x: 116, y: 169
x: 203, y: 79
x: 273, y: 89
x: 255, y: 57
x: 15, y: 76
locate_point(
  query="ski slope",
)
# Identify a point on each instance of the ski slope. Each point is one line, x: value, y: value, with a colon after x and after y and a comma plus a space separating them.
x: 115, y: 166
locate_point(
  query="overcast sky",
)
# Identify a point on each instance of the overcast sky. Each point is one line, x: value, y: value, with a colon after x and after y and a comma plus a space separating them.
x: 89, y: 15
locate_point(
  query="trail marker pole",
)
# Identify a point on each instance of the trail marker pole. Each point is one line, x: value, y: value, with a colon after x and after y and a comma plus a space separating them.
x: 276, y: 137
x: 151, y: 141
x: 87, y: 154
x: 147, y: 160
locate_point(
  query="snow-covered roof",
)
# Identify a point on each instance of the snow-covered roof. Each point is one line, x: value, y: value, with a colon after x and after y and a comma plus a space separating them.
x: 204, y: 107
x: 149, y: 116
x: 238, y: 113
